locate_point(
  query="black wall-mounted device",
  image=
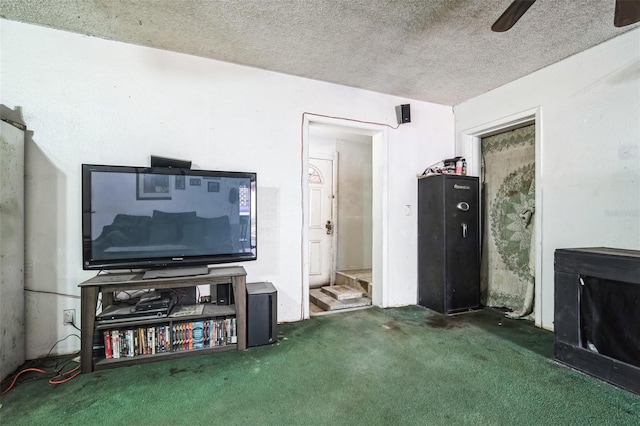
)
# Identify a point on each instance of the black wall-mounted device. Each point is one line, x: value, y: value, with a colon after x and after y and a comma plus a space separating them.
x: 403, y: 113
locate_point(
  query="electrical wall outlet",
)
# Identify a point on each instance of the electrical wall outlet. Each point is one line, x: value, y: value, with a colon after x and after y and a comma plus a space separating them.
x: 68, y: 316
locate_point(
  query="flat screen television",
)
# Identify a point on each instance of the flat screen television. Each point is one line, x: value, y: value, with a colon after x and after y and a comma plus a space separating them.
x: 157, y: 217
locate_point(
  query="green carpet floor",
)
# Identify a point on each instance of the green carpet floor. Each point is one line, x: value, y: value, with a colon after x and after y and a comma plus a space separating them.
x: 395, y: 366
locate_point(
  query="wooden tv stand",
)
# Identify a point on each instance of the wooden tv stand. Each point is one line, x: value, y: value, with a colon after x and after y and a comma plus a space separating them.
x: 108, y: 284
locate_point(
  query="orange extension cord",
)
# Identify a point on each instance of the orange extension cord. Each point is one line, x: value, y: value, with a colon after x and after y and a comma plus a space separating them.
x: 58, y: 378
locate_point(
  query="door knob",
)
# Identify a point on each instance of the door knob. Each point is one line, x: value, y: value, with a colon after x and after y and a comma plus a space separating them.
x: 329, y: 227
x: 464, y: 230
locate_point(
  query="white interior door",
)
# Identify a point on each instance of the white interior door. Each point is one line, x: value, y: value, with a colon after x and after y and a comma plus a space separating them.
x: 321, y: 223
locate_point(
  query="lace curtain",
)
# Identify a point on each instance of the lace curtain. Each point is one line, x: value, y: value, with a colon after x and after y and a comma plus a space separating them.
x: 508, y: 257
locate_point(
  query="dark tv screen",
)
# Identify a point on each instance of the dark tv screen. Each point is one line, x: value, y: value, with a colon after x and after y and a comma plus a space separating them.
x: 147, y: 218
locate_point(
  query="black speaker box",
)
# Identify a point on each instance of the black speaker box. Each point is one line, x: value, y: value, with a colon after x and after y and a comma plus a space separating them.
x: 403, y: 113
x: 262, y: 314
x: 222, y: 294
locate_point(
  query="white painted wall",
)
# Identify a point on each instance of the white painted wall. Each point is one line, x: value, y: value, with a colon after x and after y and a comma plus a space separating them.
x: 88, y: 100
x: 588, y: 148
x: 411, y: 150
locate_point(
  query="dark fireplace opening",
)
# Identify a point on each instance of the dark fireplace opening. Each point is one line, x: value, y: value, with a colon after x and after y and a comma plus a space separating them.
x: 610, y: 318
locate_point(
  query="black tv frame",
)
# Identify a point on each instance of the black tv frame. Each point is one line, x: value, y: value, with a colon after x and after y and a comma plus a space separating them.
x: 165, y: 262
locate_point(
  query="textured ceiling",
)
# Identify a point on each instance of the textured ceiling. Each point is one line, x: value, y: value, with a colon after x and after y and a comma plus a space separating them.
x: 440, y: 51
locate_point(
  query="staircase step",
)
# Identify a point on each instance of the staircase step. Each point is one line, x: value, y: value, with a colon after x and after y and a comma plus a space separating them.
x: 356, y: 278
x: 342, y: 292
x: 365, y: 285
x: 323, y: 300
x: 328, y: 303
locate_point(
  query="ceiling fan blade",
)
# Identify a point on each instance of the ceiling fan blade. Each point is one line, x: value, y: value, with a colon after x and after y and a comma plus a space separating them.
x: 510, y: 16
x: 627, y: 12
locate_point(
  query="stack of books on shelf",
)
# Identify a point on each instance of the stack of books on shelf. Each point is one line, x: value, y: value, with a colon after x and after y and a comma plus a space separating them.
x: 177, y: 336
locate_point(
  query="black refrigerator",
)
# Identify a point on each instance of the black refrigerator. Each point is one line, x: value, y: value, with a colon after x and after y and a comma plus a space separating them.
x: 448, y: 243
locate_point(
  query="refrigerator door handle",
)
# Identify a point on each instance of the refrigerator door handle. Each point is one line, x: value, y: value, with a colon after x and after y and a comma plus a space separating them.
x: 464, y: 230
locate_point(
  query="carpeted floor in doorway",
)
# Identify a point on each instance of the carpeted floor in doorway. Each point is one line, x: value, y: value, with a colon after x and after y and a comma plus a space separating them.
x: 376, y: 367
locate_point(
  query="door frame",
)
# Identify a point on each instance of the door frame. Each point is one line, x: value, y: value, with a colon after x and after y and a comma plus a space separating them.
x: 380, y: 159
x: 333, y: 256
x: 471, y: 151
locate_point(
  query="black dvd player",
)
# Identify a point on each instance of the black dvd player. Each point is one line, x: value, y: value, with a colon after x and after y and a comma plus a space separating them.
x: 161, y: 303
x: 155, y: 301
x: 119, y: 313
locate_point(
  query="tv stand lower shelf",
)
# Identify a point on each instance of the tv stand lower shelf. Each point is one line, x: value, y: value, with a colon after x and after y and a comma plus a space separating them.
x: 107, y: 285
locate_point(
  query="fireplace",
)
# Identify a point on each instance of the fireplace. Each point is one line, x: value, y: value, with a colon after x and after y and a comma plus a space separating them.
x: 597, y: 313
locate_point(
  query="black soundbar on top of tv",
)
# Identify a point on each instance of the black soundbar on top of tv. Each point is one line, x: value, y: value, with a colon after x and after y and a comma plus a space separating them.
x: 174, y: 163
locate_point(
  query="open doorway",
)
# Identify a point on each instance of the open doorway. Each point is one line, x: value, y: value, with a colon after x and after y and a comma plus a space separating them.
x: 340, y: 219
x: 343, y: 233
x: 508, y: 213
x: 471, y: 149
